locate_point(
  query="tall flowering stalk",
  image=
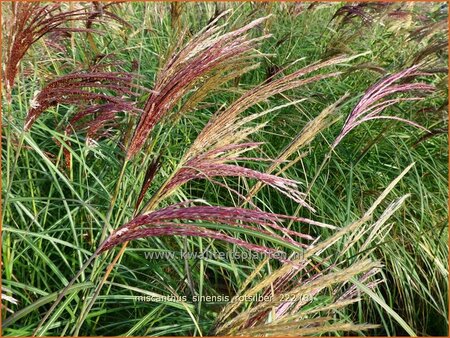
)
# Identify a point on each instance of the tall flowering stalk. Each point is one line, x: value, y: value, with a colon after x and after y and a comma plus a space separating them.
x: 223, y: 139
x: 86, y: 89
x: 99, y: 98
x: 215, y: 163
x: 351, y: 11
x: 29, y: 22
x: 211, y: 51
x: 222, y: 143
x: 373, y: 102
x: 163, y: 222
x: 227, y: 127
x: 284, y: 301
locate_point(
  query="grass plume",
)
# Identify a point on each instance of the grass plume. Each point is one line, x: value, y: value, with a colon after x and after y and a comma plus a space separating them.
x: 210, y: 51
x: 29, y: 22
x: 373, y: 102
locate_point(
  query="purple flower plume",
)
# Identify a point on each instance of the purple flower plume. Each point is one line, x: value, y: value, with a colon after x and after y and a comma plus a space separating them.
x: 208, y: 52
x: 30, y: 21
x: 86, y: 89
x: 213, y: 163
x: 373, y: 102
x: 162, y: 223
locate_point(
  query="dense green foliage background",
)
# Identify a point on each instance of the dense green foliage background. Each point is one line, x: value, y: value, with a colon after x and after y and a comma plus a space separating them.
x: 53, y: 215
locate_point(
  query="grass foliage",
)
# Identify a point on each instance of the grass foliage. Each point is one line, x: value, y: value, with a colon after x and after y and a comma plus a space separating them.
x: 311, y: 136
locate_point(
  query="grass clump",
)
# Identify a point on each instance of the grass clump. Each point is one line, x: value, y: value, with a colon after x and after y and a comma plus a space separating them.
x: 148, y: 147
